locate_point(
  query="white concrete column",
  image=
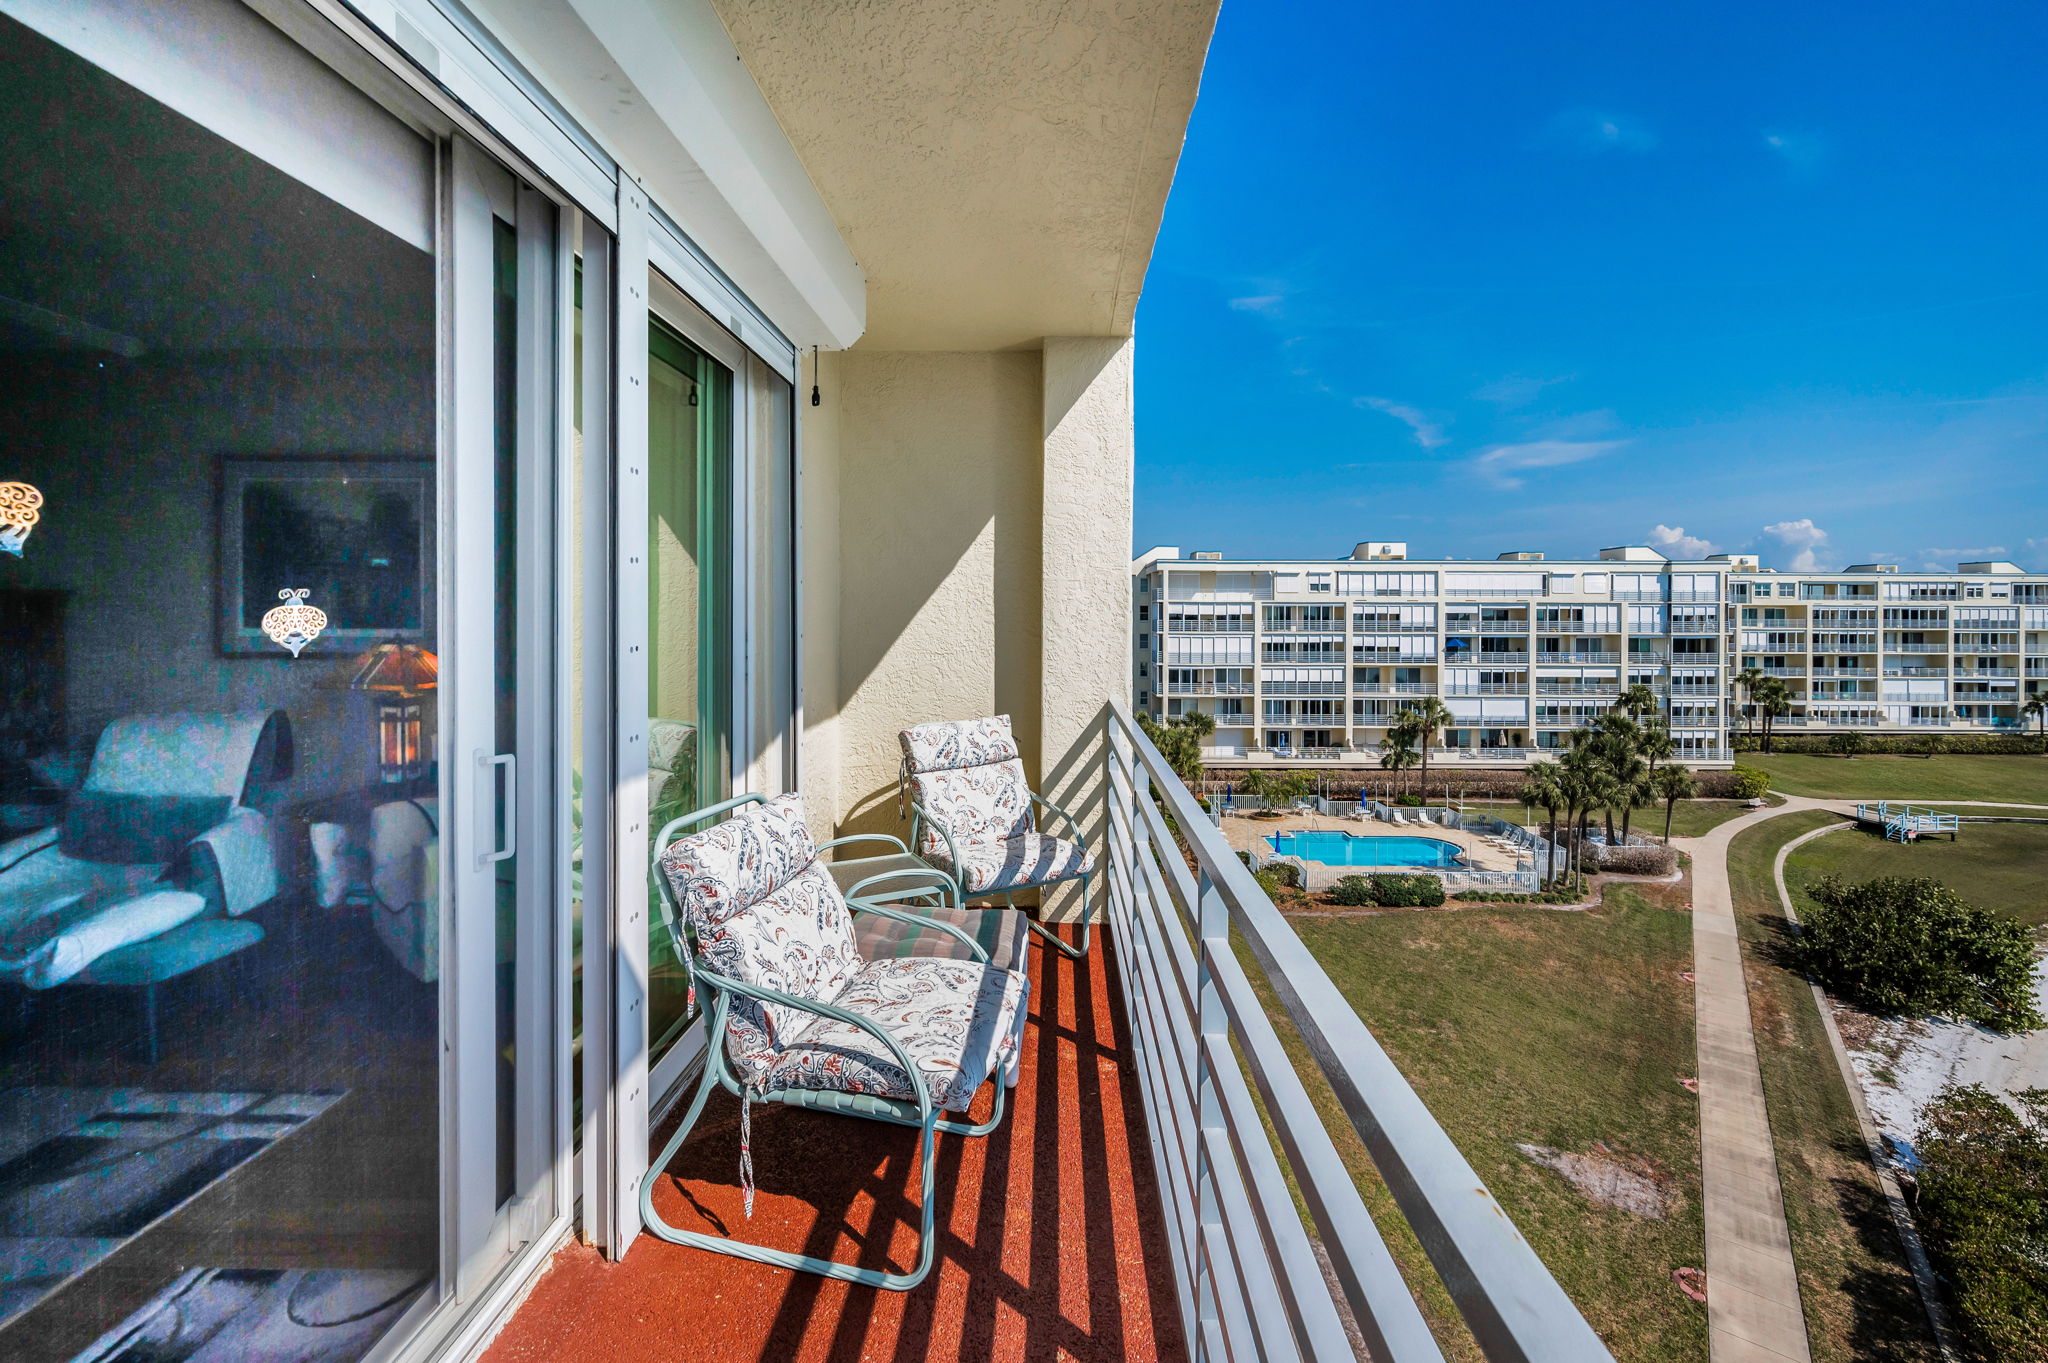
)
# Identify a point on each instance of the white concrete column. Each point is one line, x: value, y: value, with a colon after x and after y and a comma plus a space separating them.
x: 1085, y: 656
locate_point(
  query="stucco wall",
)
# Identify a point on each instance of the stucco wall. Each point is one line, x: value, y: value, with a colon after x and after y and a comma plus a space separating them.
x: 938, y: 556
x: 978, y: 564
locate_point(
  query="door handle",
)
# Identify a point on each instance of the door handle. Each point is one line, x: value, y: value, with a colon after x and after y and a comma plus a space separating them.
x: 509, y: 805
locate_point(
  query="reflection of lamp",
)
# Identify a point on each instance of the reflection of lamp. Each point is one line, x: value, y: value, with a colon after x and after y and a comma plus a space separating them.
x: 400, y: 672
x: 294, y: 624
x: 20, y: 509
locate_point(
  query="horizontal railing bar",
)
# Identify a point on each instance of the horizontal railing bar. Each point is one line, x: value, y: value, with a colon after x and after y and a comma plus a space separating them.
x: 1381, y: 1302
x: 1514, y: 1308
x: 1252, y: 1280
x: 1312, y: 1310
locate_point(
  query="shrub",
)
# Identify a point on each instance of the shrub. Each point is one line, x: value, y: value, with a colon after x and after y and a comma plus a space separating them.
x: 1278, y: 875
x: 1879, y: 745
x: 1408, y: 801
x: 1912, y: 946
x: 1398, y: 891
x: 1751, y: 783
x: 1983, y: 1206
x: 1353, y: 892
x: 1639, y: 861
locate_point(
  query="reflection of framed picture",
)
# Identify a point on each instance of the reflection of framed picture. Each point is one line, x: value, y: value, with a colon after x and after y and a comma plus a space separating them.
x: 357, y: 535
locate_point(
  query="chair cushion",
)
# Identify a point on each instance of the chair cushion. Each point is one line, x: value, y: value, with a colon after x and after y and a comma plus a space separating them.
x: 957, y: 1021
x: 765, y: 912
x: 969, y: 779
x: 174, y: 953
x: 134, y: 830
x: 1002, y: 933
x: 1015, y: 863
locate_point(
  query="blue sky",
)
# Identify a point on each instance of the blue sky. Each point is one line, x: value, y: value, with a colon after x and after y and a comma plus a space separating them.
x: 1490, y: 276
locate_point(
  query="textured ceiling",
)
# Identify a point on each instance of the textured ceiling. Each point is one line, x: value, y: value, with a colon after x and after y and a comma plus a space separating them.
x: 998, y: 168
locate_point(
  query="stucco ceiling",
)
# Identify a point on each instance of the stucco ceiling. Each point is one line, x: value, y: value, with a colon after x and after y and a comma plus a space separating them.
x: 998, y: 167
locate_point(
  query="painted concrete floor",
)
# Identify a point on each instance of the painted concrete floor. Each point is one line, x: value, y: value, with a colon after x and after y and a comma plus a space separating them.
x: 1050, y: 1245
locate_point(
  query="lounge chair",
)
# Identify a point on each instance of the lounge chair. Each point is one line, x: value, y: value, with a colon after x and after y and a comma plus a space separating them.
x: 1423, y: 816
x: 807, y: 1020
x: 972, y: 816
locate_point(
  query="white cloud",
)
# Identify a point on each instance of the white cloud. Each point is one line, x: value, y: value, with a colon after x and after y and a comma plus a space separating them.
x: 1428, y: 434
x: 1595, y: 130
x: 1516, y: 390
x: 1673, y: 542
x: 1803, y: 539
x: 1266, y: 304
x: 1802, y: 153
x: 1500, y: 464
x: 1981, y: 551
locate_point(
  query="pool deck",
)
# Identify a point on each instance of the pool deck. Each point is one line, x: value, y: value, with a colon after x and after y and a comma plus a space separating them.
x: 1242, y: 832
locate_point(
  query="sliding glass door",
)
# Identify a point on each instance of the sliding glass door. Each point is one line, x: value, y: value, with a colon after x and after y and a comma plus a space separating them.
x: 690, y: 663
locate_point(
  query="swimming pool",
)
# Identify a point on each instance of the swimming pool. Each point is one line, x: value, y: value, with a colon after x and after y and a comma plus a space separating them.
x: 1348, y: 849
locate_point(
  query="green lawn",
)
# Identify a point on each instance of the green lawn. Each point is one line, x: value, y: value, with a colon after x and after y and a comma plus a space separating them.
x: 2001, y: 866
x: 2022, y: 780
x: 1493, y: 1016
x: 1859, y: 1298
x: 1689, y: 820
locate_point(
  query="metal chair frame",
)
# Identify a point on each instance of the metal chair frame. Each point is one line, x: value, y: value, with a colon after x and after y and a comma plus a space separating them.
x: 920, y: 815
x: 717, y: 1073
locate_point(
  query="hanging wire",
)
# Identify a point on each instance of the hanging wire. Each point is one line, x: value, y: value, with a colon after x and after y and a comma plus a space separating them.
x: 814, y: 376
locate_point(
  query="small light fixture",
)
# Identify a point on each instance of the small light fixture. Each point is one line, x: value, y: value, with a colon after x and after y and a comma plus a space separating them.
x: 294, y: 624
x: 399, y: 674
x: 21, y: 506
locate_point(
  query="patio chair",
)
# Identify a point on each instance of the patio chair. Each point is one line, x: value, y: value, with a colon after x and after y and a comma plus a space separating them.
x: 807, y: 1021
x: 972, y: 817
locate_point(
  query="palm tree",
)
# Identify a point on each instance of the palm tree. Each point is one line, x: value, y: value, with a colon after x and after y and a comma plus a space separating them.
x: 1774, y: 699
x: 1749, y: 678
x: 1397, y: 753
x: 1426, y: 718
x: 1672, y: 784
x: 2036, y: 707
x: 1618, y: 741
x: 1638, y: 702
x: 1586, y: 783
x: 1179, y: 741
x: 1656, y: 745
x: 1542, y: 789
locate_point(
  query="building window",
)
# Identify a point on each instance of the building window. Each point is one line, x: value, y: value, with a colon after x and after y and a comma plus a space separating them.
x: 1144, y: 641
x: 1143, y: 670
x: 1144, y: 612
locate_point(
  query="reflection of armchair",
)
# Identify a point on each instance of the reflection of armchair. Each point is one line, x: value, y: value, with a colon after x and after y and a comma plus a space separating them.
x: 671, y: 769
x: 392, y: 867
x: 154, y: 861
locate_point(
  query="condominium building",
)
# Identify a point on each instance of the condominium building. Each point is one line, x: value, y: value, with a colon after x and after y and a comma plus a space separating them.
x: 1301, y: 660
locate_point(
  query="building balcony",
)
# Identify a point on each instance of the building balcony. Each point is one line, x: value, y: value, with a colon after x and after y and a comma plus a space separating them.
x: 1303, y: 626
x: 1987, y: 671
x: 1218, y: 626
x: 1208, y: 688
x: 1591, y: 656
x: 1393, y: 688
x: 1891, y: 671
x: 1302, y: 688
x: 1579, y: 688
x: 1390, y: 659
x: 1916, y: 648
x: 1488, y: 689
x: 1375, y: 627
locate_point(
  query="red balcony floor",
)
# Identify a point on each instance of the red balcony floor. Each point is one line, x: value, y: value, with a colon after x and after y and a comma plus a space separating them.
x: 1050, y: 1245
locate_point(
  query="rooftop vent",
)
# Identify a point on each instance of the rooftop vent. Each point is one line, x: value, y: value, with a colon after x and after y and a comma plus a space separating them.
x: 1520, y: 556
x: 1379, y: 549
x: 1208, y: 555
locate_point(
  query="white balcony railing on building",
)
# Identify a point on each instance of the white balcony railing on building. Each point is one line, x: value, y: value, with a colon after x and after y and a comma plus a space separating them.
x: 1569, y: 659
x: 1844, y: 671
x: 1174, y: 688
x: 1890, y: 671
x: 1915, y: 648
x: 1579, y: 688
x: 1210, y: 625
x: 1393, y: 688
x: 1487, y: 689
x: 1302, y: 688
x: 1987, y: 671
x: 1389, y: 659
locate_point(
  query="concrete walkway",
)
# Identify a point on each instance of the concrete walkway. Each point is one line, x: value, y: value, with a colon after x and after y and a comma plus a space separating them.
x: 1753, y: 1310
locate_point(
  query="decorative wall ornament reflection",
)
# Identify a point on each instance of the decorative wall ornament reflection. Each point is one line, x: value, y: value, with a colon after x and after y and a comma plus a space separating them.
x: 21, y: 506
x: 294, y: 624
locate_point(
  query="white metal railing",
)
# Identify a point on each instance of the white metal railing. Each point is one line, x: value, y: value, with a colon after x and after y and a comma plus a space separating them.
x: 1916, y: 672
x: 1174, y: 688
x: 1567, y: 659
x: 1250, y: 1282
x: 1487, y: 689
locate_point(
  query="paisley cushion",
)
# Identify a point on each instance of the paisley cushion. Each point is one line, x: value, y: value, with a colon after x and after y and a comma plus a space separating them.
x: 765, y: 912
x: 1028, y: 859
x: 969, y: 779
x: 956, y: 1021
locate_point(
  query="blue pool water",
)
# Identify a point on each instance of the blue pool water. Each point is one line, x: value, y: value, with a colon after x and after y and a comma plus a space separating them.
x: 1346, y: 849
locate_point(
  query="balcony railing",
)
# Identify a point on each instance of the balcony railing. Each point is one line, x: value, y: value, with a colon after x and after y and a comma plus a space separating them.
x: 1388, y: 659
x: 1359, y: 626
x: 1569, y: 658
x: 1251, y: 1282
x: 1987, y: 671
x: 1486, y: 627
x: 1302, y: 688
x: 1916, y: 671
x: 1844, y: 671
x: 1215, y: 625
x: 1393, y: 688
x: 1578, y: 688
x: 1915, y: 648
x: 1305, y: 626
x: 1488, y: 689
x: 1174, y: 688
x: 1695, y: 689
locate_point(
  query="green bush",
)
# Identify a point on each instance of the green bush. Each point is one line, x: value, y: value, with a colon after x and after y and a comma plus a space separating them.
x: 1278, y: 875
x: 1902, y: 745
x: 1639, y: 861
x: 1408, y: 801
x: 1983, y: 1207
x: 1911, y: 946
x: 1353, y: 892
x: 1751, y: 783
x: 1503, y: 897
x: 1394, y: 890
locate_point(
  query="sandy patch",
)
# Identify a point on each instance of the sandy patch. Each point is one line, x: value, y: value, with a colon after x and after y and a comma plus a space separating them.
x: 1609, y: 1179
x: 1902, y: 1065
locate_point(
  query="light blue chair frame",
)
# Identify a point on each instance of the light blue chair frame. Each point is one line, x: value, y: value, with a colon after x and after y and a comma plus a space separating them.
x: 919, y: 816
x: 917, y: 1111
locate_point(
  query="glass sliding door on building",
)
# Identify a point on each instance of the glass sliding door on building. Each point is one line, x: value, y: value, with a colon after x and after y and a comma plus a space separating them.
x: 284, y: 840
